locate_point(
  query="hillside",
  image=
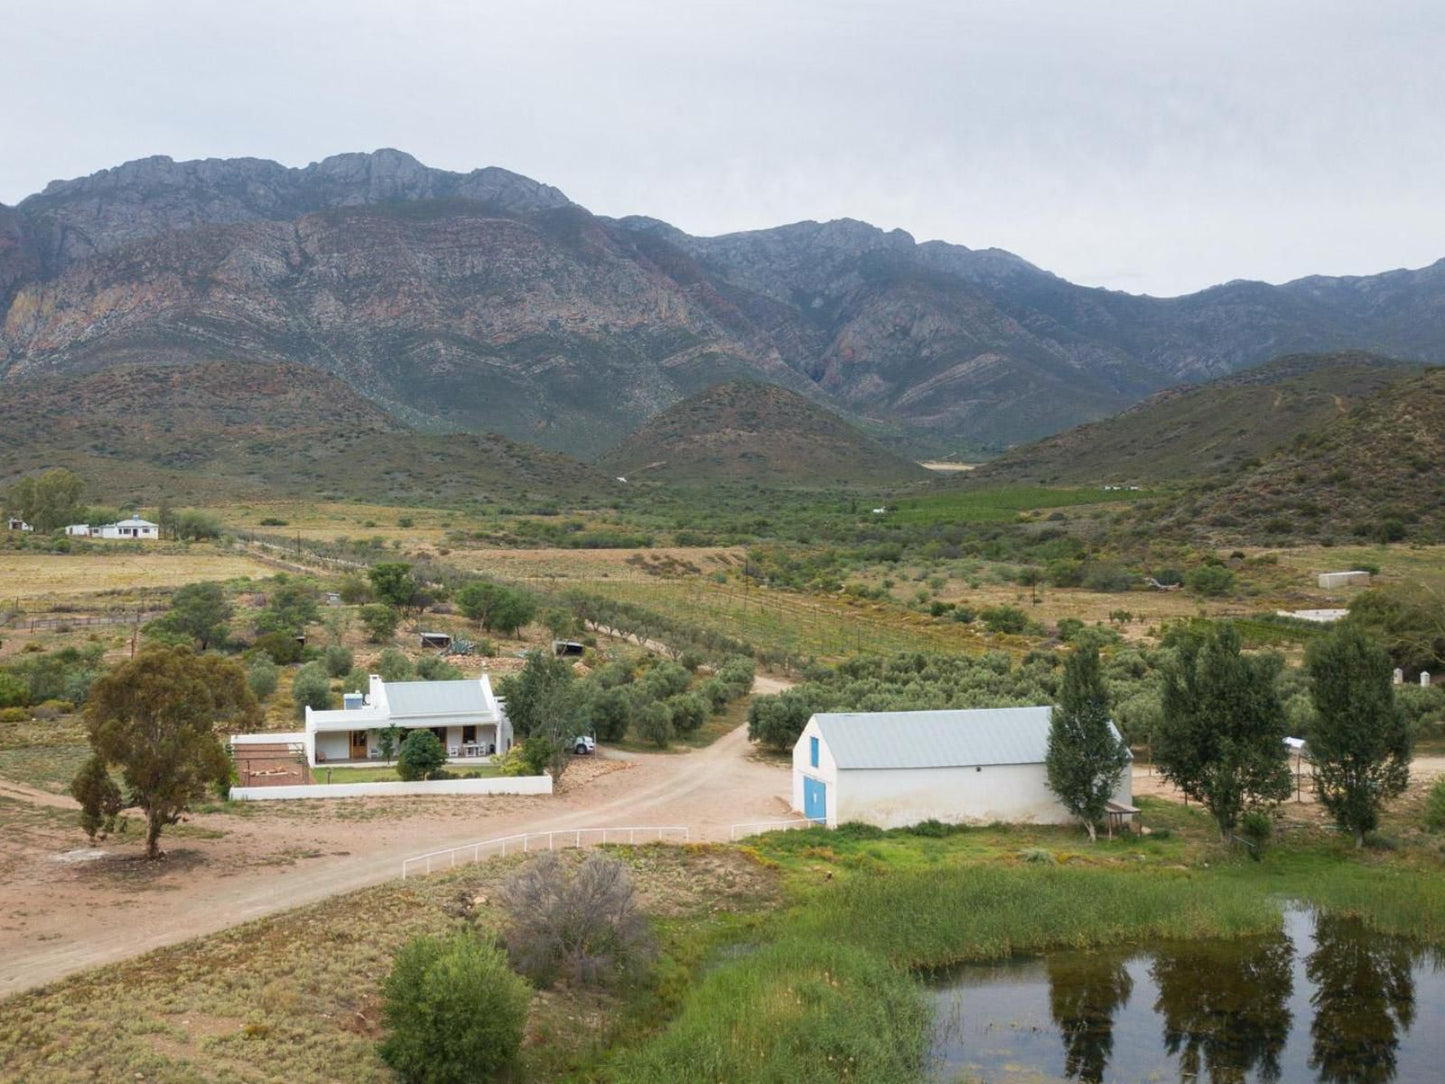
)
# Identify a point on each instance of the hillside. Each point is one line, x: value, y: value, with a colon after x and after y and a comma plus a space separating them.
x: 1377, y: 472
x: 744, y: 431
x: 1200, y: 430
x: 195, y: 433
x: 487, y: 301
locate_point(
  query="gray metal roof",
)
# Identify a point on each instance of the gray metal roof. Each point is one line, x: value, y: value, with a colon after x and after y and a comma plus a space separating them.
x: 408, y: 699
x: 936, y: 739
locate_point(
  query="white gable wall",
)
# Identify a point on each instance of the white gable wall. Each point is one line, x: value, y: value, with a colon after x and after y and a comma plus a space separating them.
x: 826, y: 771
x: 898, y: 797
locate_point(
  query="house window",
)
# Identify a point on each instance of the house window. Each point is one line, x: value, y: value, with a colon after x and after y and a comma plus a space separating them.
x: 469, y: 735
x: 813, y: 751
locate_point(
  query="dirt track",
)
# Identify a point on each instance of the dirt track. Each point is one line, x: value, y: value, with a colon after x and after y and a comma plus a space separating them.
x: 61, y: 912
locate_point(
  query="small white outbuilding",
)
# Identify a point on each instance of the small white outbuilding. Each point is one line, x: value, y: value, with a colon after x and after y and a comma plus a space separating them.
x: 896, y: 768
x: 1352, y: 578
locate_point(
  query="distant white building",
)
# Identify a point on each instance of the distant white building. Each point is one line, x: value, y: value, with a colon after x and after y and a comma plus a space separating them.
x: 896, y: 768
x: 1353, y: 578
x: 132, y: 529
x: 16, y: 524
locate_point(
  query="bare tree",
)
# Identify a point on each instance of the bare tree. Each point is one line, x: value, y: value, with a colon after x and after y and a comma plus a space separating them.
x: 574, y: 921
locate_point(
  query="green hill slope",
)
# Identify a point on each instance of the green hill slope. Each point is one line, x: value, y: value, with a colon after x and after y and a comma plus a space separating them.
x: 1201, y: 430
x: 749, y: 432
x: 192, y: 433
x: 1377, y: 472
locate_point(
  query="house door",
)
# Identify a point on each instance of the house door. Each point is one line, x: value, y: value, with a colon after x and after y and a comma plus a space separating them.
x: 815, y: 799
x: 358, y: 745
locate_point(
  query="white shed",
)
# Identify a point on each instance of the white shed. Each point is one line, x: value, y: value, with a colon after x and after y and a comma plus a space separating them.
x: 896, y: 768
x: 1353, y: 578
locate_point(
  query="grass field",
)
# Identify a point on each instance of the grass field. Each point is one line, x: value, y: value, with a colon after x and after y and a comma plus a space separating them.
x: 43, y: 754
x: 30, y: 577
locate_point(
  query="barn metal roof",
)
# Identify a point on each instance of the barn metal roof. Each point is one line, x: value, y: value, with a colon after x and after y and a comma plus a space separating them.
x: 936, y: 739
x: 408, y: 699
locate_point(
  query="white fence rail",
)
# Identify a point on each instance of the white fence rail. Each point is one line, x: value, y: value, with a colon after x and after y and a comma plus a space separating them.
x: 753, y: 828
x: 557, y: 839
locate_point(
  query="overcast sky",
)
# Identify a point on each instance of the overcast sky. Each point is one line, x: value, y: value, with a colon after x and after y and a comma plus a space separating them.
x: 1145, y: 145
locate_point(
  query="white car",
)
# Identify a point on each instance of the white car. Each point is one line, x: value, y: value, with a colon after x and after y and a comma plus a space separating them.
x: 584, y: 744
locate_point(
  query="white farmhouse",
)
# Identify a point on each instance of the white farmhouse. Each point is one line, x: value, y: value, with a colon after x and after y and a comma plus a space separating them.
x: 133, y: 529
x: 466, y: 717
x: 896, y: 768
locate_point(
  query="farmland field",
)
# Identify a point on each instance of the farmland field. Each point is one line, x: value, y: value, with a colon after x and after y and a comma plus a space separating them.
x: 29, y: 576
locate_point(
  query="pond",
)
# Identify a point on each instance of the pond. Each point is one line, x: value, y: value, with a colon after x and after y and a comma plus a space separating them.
x: 1323, y: 1000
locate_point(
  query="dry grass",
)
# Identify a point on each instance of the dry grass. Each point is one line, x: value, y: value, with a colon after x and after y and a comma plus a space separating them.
x: 296, y: 997
x: 31, y: 577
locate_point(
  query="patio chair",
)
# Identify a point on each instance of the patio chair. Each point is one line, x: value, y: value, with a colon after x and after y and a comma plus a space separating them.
x: 453, y: 751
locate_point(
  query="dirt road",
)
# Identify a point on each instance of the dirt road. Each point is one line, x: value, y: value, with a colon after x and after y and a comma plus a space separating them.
x: 62, y: 911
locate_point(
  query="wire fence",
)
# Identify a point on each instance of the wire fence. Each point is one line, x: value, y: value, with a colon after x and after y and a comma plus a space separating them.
x: 557, y: 839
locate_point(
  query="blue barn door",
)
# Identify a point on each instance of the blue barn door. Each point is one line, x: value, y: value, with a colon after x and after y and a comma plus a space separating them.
x: 815, y: 799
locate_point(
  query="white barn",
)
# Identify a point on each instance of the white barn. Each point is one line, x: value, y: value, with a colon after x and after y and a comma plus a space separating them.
x: 896, y: 768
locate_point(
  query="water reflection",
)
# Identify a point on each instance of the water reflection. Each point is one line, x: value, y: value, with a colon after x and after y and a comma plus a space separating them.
x: 1225, y: 1007
x: 1085, y: 991
x: 1364, y: 998
x: 1324, y: 1001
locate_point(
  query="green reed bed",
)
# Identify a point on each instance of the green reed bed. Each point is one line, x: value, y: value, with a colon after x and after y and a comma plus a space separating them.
x: 934, y: 917
x: 794, y: 1010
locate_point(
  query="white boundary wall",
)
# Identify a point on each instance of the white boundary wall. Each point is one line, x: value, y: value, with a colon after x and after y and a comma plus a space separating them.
x: 514, y: 784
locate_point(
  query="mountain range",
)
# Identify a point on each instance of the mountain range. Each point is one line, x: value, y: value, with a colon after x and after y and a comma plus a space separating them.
x: 487, y: 301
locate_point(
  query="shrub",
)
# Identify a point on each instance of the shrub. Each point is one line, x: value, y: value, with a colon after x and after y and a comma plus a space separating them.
x: 311, y: 688
x: 1106, y: 577
x: 1211, y: 581
x: 262, y: 676
x: 380, y: 621
x: 1255, y: 828
x: 934, y: 828
x: 393, y: 665
x: 337, y: 659
x: 436, y: 668
x: 354, y: 589
x: 14, y: 715
x: 1435, y: 806
x: 14, y: 693
x: 284, y: 649
x: 421, y: 756
x: 580, y: 923
x: 455, y: 1011
x: 1390, y: 530
x: 1005, y: 619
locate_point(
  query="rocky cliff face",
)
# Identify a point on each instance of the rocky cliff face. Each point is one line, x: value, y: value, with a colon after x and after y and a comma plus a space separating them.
x: 489, y: 301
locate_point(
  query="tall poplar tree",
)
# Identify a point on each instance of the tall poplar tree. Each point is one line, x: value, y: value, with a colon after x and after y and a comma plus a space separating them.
x: 1086, y: 757
x: 1360, y: 743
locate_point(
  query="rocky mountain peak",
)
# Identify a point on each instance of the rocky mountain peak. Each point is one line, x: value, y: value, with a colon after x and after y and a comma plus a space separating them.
x: 149, y: 196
